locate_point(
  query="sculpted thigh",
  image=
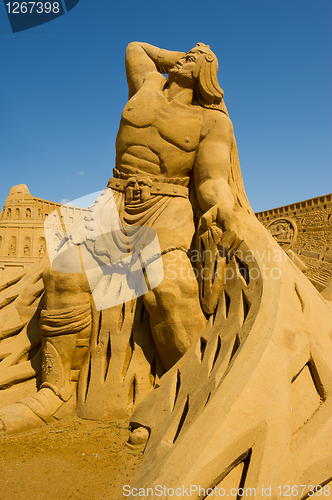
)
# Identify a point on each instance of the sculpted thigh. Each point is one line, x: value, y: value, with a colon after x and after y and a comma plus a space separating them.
x: 179, y: 283
x: 66, y: 282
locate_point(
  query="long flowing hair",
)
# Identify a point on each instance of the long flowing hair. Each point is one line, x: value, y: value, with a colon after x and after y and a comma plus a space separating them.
x: 210, y: 95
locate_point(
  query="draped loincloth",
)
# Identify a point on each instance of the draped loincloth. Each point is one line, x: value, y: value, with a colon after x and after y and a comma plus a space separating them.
x: 112, y: 230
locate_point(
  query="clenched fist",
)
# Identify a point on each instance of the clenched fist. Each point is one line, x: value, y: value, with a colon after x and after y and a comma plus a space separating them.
x: 231, y: 233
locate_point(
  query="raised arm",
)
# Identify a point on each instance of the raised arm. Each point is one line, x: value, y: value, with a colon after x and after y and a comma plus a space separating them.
x: 143, y: 58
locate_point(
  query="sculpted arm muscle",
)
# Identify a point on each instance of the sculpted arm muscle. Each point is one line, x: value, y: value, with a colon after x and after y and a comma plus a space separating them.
x: 143, y: 58
x: 212, y: 167
x: 211, y: 174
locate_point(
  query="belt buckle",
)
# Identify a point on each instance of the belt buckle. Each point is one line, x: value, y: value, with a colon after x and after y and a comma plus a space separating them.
x: 137, y: 190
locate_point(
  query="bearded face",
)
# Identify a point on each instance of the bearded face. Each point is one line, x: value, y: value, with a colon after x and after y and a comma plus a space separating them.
x: 198, y: 70
x: 186, y: 69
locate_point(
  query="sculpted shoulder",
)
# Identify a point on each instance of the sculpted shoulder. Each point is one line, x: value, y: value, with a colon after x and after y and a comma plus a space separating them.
x: 216, y: 126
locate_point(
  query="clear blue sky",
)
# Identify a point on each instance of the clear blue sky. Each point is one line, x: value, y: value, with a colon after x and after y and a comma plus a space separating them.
x: 63, y: 88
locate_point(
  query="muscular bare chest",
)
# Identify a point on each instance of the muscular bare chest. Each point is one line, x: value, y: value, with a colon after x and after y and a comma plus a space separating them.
x: 177, y: 124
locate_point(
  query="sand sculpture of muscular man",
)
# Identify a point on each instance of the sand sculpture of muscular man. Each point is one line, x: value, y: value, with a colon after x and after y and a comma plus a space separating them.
x: 172, y: 132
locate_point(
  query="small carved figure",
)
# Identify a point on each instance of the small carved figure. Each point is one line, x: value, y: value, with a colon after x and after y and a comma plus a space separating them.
x: 284, y: 231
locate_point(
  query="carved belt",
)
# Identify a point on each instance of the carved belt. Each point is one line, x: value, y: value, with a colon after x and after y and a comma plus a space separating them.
x: 140, y: 189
